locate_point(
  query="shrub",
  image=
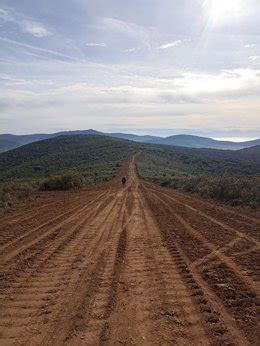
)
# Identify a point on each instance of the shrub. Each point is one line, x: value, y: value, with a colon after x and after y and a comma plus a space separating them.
x: 224, y: 188
x: 63, y: 182
x: 165, y: 183
x: 11, y: 193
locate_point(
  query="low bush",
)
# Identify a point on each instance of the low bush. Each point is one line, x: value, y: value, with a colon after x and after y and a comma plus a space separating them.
x: 65, y: 181
x: 218, y: 175
x: 224, y: 188
x: 12, y: 193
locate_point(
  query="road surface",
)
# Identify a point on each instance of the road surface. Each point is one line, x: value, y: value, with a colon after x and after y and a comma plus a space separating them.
x: 133, y: 265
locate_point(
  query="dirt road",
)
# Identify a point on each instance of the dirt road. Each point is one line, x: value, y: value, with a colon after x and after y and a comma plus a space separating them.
x: 134, y: 265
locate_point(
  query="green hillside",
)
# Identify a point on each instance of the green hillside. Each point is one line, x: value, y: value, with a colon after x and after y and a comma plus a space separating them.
x: 165, y: 161
x: 59, y: 164
x: 96, y: 157
x: 223, y: 175
x: 77, y: 160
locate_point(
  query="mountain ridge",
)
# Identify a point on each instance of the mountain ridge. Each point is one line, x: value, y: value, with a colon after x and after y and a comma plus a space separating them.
x: 11, y: 141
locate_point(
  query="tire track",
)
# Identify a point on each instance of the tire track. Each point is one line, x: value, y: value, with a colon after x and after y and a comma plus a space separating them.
x: 210, y: 218
x: 13, y: 227
x: 66, y: 254
x: 42, y: 248
x: 83, y: 309
x: 212, y: 212
x: 130, y: 265
x: 217, y: 283
x: 214, y: 251
x: 39, y: 233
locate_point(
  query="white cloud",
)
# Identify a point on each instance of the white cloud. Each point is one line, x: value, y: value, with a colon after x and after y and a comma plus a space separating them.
x: 6, y: 15
x: 26, y: 25
x: 34, y: 28
x: 227, y: 84
x: 127, y: 28
x: 39, y: 49
x: 121, y: 87
x: 210, y: 100
x: 93, y: 44
x: 131, y: 50
x: 170, y: 44
x: 177, y: 67
x: 255, y: 59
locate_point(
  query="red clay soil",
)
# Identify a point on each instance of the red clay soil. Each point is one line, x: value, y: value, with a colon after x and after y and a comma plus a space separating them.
x: 133, y: 265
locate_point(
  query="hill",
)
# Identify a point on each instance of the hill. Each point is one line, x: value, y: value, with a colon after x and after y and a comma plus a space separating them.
x: 88, y: 154
x: 97, y: 157
x: 163, y: 161
x: 225, y: 175
x: 135, y: 138
x: 246, y: 154
x: 203, y: 142
x: 76, y: 160
x: 9, y: 141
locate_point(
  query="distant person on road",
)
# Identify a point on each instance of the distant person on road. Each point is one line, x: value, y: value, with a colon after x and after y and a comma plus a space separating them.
x: 123, y: 181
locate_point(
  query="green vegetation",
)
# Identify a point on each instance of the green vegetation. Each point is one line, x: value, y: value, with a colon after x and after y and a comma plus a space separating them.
x: 67, y: 162
x: 224, y: 188
x: 65, y: 181
x: 97, y: 158
x: 12, y: 193
x: 166, y: 161
x: 209, y: 173
x: 62, y: 163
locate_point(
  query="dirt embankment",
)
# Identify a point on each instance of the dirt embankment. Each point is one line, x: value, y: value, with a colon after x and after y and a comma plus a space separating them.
x: 128, y: 265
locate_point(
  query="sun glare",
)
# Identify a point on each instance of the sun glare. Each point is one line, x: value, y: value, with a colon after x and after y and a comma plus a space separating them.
x: 221, y: 11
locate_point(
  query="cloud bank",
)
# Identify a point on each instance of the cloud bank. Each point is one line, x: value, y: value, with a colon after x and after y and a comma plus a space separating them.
x: 142, y: 65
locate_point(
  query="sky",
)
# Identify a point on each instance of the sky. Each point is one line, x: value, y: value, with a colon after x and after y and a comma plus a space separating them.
x: 157, y: 67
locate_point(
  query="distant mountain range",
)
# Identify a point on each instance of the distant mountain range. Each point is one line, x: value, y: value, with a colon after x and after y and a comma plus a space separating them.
x: 9, y: 141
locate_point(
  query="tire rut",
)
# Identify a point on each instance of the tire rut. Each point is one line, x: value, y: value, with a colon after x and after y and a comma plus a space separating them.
x: 218, y: 283
x: 128, y: 265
